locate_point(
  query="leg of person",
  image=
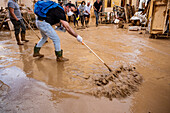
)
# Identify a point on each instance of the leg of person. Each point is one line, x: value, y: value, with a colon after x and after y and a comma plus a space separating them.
x: 88, y: 18
x: 82, y: 20
x: 38, y: 46
x: 96, y: 14
x: 69, y: 19
x: 85, y: 16
x: 23, y: 31
x: 56, y: 40
x: 77, y: 21
x: 17, y: 30
x: 48, y: 30
x: 74, y: 21
x: 97, y: 21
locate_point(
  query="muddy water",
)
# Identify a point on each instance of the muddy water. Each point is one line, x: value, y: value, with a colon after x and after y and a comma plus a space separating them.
x: 42, y: 85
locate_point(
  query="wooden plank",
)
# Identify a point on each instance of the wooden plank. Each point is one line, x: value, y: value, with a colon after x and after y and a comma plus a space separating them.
x: 166, y: 19
x: 161, y: 3
x: 150, y: 9
x: 11, y: 27
x: 156, y: 32
x: 157, y: 29
x: 158, y: 17
x: 150, y: 15
x: 169, y: 19
x: 126, y: 13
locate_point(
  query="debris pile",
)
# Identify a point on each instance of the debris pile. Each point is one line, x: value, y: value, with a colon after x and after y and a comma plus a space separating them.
x: 126, y: 82
x: 27, y: 14
x: 153, y: 17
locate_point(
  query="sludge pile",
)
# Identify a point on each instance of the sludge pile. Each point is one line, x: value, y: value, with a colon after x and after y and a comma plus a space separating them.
x: 126, y: 82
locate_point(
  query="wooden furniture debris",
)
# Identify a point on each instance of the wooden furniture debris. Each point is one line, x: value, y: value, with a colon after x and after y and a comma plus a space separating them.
x: 159, y: 15
x: 2, y: 20
x: 126, y: 11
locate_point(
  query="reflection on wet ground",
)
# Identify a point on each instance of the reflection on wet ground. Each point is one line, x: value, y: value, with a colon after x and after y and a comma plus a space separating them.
x: 43, y: 85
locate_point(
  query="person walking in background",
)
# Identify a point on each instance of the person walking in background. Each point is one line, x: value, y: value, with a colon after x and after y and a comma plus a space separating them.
x: 87, y: 13
x: 69, y: 17
x: 82, y: 8
x: 97, y: 9
x: 17, y: 21
x: 76, y: 16
x: 69, y: 14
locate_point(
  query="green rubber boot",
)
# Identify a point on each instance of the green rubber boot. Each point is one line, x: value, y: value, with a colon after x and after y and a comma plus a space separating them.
x: 60, y: 57
x: 36, y: 52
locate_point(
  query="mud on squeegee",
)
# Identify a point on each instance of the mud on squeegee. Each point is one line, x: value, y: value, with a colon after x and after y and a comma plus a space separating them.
x: 128, y: 82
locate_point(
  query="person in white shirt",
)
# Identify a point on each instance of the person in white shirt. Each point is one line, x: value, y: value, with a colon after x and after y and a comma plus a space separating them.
x: 87, y: 13
x: 82, y: 8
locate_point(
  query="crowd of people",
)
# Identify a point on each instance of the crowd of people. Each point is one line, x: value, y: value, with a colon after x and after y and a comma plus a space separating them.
x: 83, y: 13
x: 50, y: 13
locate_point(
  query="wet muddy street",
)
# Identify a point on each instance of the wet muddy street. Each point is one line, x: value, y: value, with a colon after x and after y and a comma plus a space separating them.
x: 42, y: 85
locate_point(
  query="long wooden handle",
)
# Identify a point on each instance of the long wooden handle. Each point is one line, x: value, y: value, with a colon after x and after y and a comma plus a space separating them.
x: 97, y: 56
x: 31, y: 27
x: 93, y: 52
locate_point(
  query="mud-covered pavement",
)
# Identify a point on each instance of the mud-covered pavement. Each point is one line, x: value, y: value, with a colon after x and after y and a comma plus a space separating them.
x: 35, y: 85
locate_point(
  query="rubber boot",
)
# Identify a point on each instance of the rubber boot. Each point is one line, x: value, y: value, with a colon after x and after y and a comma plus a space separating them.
x: 23, y: 37
x: 60, y: 57
x: 36, y: 52
x: 18, y: 40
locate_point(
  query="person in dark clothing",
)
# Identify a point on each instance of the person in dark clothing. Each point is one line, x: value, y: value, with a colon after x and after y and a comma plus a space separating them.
x: 76, y: 17
x: 97, y: 9
x: 54, y: 15
x: 61, y: 4
x: 16, y: 19
x: 1, y: 10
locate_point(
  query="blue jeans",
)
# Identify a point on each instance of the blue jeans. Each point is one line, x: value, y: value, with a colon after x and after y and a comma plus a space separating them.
x: 47, y: 31
x: 97, y: 17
